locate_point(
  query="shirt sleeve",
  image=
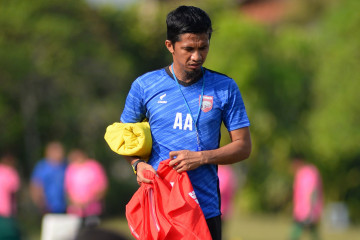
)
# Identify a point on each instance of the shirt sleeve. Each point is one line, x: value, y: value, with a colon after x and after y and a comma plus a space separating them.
x: 134, y: 110
x: 37, y: 176
x: 235, y: 116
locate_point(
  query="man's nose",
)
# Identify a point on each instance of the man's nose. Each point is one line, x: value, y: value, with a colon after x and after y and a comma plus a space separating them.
x: 196, y: 56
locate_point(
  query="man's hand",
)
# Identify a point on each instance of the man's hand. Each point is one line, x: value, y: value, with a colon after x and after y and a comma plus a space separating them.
x: 185, y: 160
x: 141, y: 167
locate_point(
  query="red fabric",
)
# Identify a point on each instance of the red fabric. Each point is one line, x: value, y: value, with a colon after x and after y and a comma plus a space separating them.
x: 167, y: 208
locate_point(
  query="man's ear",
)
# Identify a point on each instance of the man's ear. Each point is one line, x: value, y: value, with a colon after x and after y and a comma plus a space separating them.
x: 169, y: 46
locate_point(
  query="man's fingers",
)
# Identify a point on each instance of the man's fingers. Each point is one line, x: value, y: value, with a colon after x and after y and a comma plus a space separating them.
x: 173, y: 163
x: 142, y: 167
x: 141, y: 179
x: 173, y: 154
x: 174, y: 158
x: 180, y: 169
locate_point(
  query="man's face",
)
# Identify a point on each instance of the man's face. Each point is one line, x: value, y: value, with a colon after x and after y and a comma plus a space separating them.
x: 189, y: 54
x: 55, y: 153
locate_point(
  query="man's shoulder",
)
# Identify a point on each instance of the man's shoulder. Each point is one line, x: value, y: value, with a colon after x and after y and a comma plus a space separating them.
x: 217, y: 74
x: 220, y: 80
x: 40, y: 168
x: 42, y: 163
x: 158, y: 73
x: 7, y: 170
x: 92, y: 163
x: 151, y: 79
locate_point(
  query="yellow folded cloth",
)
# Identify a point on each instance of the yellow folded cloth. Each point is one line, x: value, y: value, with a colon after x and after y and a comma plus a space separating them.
x: 130, y: 139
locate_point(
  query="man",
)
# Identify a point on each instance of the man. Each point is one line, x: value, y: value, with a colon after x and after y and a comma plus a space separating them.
x: 85, y: 185
x: 47, y: 180
x: 308, y: 199
x: 9, y: 185
x: 185, y: 105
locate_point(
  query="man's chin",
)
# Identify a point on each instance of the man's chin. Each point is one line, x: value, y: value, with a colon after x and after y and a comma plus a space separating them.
x: 193, y: 73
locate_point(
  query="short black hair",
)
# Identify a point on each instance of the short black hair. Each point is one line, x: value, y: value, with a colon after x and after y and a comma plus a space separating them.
x: 187, y: 19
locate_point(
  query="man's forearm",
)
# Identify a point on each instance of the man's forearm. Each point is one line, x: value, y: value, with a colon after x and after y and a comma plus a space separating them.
x: 231, y: 153
x: 37, y: 195
x: 238, y: 150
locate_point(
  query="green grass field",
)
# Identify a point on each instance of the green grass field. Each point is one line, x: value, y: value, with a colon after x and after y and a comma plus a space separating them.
x: 244, y: 227
x: 250, y: 227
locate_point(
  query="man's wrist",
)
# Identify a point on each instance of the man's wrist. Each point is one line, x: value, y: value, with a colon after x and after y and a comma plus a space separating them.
x: 133, y: 160
x: 205, y: 157
x: 134, y: 165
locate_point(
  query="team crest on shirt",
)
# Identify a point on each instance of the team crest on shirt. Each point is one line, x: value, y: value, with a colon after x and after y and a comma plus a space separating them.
x: 207, y: 103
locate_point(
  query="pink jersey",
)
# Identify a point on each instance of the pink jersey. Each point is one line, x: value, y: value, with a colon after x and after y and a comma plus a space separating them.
x: 83, y: 183
x: 9, y: 184
x: 308, y: 200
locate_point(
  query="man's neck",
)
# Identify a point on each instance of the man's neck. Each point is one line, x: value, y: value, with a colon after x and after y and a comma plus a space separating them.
x: 187, y: 78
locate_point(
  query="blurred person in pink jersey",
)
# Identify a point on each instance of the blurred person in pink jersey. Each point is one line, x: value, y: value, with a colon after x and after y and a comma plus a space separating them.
x: 85, y: 185
x: 228, y: 185
x: 307, y: 199
x: 9, y: 185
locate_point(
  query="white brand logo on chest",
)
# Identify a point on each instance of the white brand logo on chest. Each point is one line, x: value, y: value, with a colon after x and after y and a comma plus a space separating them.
x: 161, y: 98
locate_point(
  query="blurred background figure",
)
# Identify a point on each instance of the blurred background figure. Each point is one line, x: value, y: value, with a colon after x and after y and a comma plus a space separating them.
x: 85, y: 185
x: 9, y: 185
x: 228, y: 185
x: 47, y: 180
x: 307, y: 199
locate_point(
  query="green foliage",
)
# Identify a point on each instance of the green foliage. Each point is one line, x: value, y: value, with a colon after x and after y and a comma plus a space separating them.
x: 333, y: 121
x: 336, y: 110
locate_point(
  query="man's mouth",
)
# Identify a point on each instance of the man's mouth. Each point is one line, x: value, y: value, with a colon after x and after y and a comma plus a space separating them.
x: 195, y: 65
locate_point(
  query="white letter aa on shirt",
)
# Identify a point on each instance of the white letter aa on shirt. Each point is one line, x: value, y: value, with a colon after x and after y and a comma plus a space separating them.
x: 178, y: 122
